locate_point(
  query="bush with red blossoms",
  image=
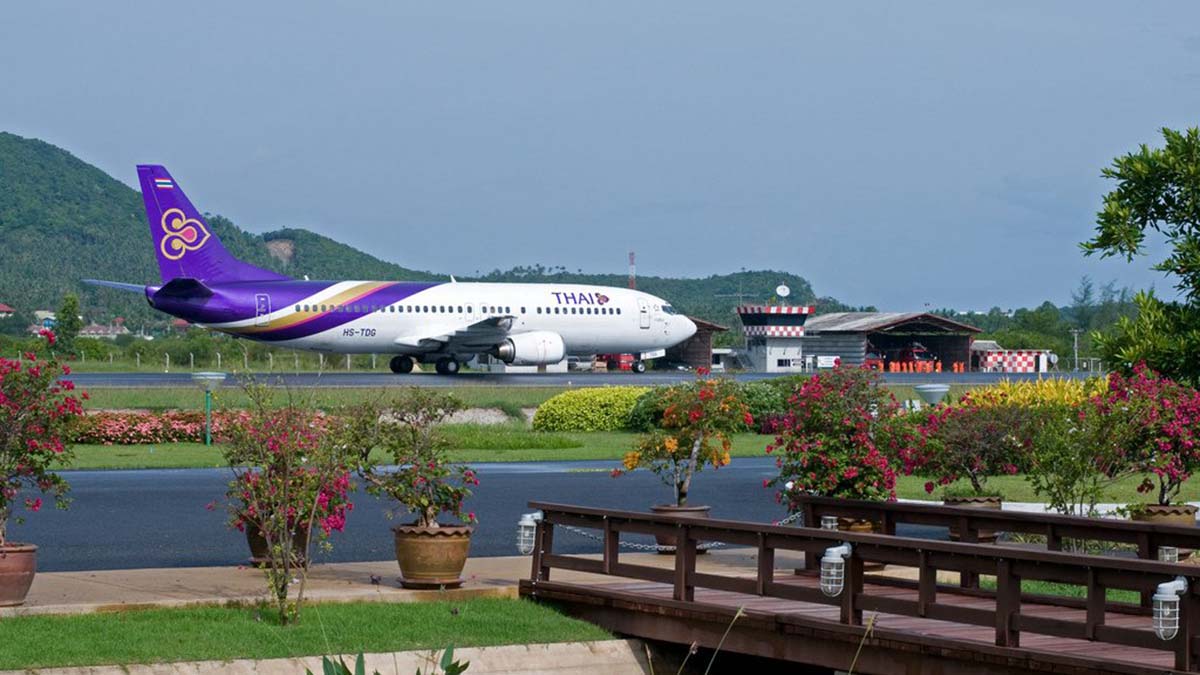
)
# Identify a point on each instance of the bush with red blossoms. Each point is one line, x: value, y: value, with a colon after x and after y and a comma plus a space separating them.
x: 292, y: 468
x: 841, y: 437
x: 37, y: 408
x: 1165, y: 418
x: 973, y: 443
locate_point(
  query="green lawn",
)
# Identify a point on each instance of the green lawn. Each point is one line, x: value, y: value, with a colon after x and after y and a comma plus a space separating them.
x: 1063, y: 590
x: 510, y: 399
x: 471, y: 443
x: 224, y: 633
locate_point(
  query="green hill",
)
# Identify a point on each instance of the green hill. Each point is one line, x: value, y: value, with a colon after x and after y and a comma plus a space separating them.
x: 62, y: 220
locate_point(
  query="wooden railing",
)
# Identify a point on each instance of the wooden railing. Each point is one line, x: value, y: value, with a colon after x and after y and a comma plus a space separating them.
x: 1097, y: 574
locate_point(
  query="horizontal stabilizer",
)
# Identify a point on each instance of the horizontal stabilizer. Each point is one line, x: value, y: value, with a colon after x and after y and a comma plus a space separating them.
x: 183, y: 288
x: 132, y: 288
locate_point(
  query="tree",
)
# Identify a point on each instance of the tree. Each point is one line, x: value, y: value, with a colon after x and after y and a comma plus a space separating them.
x: 68, y: 324
x: 1158, y: 190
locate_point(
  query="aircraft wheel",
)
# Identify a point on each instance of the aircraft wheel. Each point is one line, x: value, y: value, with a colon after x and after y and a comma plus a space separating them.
x: 447, y: 366
x: 401, y: 364
x: 639, y: 366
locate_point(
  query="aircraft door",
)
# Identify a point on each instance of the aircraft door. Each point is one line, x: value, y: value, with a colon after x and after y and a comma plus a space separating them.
x: 262, y: 309
x: 643, y: 314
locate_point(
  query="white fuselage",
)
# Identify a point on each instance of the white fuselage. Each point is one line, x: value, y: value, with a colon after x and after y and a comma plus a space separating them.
x: 590, y: 319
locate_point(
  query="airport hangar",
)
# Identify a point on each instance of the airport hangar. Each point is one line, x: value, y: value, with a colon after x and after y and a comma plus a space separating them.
x: 789, y: 339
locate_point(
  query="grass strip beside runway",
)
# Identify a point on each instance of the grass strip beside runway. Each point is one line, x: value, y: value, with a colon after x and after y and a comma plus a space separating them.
x: 226, y: 633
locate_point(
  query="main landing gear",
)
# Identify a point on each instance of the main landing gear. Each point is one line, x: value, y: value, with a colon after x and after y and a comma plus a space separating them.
x: 639, y: 366
x: 447, y: 366
x: 401, y: 364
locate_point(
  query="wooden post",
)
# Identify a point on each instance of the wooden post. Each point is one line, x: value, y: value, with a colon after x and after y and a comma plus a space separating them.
x: 888, y: 525
x: 766, y: 566
x: 968, y: 535
x: 1053, y: 540
x: 1008, y: 605
x: 811, y: 562
x: 927, y: 584
x: 685, y: 565
x: 1189, y: 622
x: 612, y: 543
x: 851, y: 613
x: 1145, y: 552
x: 1096, y: 598
x: 543, y: 544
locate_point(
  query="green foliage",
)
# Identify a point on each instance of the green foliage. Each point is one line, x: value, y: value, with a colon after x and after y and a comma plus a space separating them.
x: 588, y: 409
x: 765, y: 398
x: 68, y: 323
x: 647, y: 412
x: 1076, y: 456
x: 1158, y: 190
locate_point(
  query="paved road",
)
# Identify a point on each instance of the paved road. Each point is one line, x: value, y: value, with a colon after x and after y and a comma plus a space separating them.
x: 344, y: 379
x: 134, y: 519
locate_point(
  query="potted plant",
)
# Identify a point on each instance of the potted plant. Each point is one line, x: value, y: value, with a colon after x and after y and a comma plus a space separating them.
x: 431, y: 553
x: 1162, y: 442
x: 840, y: 437
x: 292, y: 470
x: 694, y: 432
x: 966, y: 444
x: 36, y: 409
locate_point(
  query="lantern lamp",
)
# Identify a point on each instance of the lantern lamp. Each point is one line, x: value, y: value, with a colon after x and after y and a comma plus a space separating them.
x: 833, y: 570
x: 1165, y: 618
x: 526, y: 530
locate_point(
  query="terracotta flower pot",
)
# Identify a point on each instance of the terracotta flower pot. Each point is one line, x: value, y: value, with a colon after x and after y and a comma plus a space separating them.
x: 260, y: 553
x: 681, y: 512
x: 993, y: 503
x: 432, y: 557
x: 1170, y: 514
x: 18, y: 564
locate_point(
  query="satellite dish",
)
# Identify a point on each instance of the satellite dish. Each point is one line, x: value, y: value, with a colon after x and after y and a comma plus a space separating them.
x: 782, y: 291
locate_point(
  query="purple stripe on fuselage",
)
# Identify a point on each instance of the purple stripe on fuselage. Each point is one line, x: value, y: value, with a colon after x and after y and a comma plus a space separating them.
x: 238, y: 302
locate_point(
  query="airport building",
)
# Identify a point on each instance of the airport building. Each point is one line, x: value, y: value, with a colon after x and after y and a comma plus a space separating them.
x: 774, y: 337
x: 886, y: 337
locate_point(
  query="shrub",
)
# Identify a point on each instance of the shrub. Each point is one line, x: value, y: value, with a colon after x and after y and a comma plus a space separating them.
x: 764, y: 399
x: 829, y: 441
x: 1076, y: 454
x: 973, y: 443
x: 137, y: 428
x: 590, y: 409
x: 1047, y: 393
x: 647, y: 411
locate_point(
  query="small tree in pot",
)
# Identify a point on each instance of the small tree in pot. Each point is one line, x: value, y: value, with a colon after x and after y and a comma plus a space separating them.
x: 694, y: 432
x: 292, y: 469
x: 430, y: 552
x: 36, y: 409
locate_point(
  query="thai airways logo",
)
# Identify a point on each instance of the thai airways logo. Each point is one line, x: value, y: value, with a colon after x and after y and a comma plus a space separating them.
x: 579, y: 298
x: 181, y: 234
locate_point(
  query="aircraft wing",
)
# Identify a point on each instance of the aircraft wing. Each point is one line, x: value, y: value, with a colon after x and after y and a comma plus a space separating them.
x: 466, y: 337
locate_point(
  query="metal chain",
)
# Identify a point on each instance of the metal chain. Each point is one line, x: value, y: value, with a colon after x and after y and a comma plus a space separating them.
x: 798, y: 516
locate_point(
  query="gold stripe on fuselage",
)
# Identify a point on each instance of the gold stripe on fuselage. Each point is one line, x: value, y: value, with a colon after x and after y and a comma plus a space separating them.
x: 294, y: 318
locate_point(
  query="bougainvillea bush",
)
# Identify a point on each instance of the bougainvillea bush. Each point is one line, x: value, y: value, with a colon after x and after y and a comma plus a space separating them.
x: 423, y: 481
x: 37, y: 408
x: 973, y: 443
x: 139, y: 428
x: 1165, y: 418
x: 694, y: 432
x: 292, y: 468
x: 829, y: 441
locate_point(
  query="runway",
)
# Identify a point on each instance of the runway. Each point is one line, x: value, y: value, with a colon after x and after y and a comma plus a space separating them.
x: 574, y: 379
x: 160, y: 518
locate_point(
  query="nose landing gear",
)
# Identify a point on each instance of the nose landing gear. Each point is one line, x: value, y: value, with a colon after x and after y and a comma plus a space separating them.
x: 401, y: 364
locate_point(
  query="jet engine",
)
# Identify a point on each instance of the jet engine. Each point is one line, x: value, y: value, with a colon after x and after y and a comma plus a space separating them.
x: 535, y: 348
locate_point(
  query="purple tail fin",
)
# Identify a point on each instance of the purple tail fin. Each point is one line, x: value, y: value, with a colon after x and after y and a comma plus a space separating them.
x: 184, y: 243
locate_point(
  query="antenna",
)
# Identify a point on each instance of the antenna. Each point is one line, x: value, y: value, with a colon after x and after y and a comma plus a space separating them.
x: 783, y: 291
x: 632, y: 270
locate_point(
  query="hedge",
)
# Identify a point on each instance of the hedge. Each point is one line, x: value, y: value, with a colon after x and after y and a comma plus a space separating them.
x: 591, y: 409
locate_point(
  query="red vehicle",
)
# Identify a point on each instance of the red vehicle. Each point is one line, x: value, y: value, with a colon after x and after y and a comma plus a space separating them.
x: 874, y: 359
x: 624, y: 362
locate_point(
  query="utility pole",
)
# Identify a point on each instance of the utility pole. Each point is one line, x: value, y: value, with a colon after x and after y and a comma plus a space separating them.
x: 1075, y: 334
x: 632, y: 270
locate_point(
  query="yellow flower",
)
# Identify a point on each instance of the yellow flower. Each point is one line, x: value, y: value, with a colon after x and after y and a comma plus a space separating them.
x: 631, y: 460
x: 670, y: 444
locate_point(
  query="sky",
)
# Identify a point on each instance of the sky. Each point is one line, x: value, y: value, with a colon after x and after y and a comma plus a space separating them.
x: 894, y: 154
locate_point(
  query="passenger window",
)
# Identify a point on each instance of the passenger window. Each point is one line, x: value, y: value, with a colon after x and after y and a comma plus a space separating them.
x: 460, y: 309
x: 539, y: 310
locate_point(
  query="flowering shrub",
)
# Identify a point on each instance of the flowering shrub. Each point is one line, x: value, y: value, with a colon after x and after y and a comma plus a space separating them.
x: 973, y: 443
x: 829, y: 442
x: 1165, y: 418
x: 1049, y: 392
x: 138, y: 428
x: 696, y: 422
x: 424, y: 483
x: 589, y: 409
x: 292, y: 471
x: 36, y: 409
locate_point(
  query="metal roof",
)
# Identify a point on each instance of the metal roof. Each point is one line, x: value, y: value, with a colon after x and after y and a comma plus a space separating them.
x: 872, y: 322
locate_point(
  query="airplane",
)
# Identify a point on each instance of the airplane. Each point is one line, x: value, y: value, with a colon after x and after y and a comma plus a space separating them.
x: 444, y: 323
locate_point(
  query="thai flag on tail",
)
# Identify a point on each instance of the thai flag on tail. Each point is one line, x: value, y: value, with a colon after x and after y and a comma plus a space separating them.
x: 164, y: 184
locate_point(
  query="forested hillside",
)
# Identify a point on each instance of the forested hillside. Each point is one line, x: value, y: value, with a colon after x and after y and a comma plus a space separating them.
x: 62, y: 220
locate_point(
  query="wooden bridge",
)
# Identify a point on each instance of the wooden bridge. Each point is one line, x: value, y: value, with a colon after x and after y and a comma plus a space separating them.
x: 906, y: 618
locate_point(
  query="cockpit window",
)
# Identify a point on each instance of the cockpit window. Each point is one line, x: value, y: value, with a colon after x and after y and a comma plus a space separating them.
x: 669, y: 309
